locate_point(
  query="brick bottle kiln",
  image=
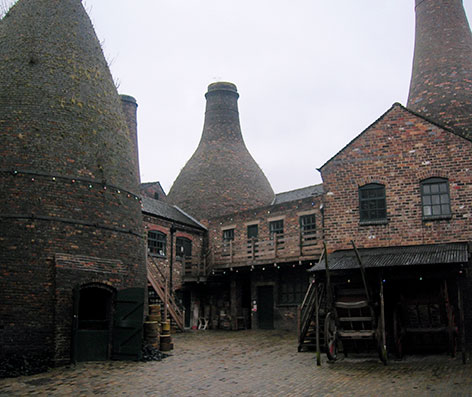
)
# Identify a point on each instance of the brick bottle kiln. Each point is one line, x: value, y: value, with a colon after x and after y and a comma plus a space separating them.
x: 71, y: 237
x: 221, y: 177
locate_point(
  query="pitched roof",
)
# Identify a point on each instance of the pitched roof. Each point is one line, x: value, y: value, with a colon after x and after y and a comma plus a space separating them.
x: 169, y: 212
x: 298, y: 194
x: 396, y: 104
x: 397, y: 256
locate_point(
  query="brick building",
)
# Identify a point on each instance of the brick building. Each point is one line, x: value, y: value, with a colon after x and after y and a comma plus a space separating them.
x: 72, y: 247
x: 401, y: 190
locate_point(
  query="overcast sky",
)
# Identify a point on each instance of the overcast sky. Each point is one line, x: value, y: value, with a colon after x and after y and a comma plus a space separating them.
x: 311, y: 74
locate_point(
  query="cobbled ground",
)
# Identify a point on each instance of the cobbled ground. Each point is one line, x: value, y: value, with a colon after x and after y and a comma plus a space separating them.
x: 249, y: 363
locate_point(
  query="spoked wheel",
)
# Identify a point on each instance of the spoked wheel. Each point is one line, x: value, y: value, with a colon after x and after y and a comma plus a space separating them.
x: 331, y: 337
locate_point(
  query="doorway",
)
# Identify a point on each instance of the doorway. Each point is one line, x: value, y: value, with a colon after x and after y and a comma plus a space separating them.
x: 93, y: 314
x: 265, y: 303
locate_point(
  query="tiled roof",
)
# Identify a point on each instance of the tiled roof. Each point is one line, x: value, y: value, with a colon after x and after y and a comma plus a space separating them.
x: 298, y: 194
x: 170, y: 212
x: 397, y: 256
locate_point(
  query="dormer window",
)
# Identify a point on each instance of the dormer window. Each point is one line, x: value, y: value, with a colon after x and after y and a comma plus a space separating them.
x: 372, y: 203
x: 435, y: 198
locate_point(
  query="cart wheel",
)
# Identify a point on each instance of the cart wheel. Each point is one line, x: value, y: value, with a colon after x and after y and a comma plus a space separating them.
x: 397, y: 334
x: 331, y: 337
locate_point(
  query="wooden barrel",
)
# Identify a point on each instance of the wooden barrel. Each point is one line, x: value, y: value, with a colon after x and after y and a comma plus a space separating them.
x: 165, y: 343
x: 154, y: 317
x: 166, y: 327
x: 155, y: 309
x: 151, y: 329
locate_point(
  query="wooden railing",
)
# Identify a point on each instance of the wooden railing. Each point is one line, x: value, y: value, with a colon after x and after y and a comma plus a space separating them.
x: 193, y: 266
x: 160, y: 284
x: 279, y: 247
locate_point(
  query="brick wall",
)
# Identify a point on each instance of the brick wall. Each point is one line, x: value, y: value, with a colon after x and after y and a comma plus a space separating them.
x: 289, y: 212
x: 399, y: 151
x: 153, y: 223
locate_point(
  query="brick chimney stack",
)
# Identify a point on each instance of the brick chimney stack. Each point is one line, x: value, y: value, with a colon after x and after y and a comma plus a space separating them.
x: 441, y: 82
x: 130, y: 108
x: 221, y: 177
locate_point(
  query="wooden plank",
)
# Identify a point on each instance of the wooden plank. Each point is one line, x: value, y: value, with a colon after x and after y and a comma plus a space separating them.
x: 351, y: 305
x: 354, y: 319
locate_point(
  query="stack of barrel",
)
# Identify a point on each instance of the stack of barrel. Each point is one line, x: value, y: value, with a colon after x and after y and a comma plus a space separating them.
x: 166, y: 341
x: 151, y: 326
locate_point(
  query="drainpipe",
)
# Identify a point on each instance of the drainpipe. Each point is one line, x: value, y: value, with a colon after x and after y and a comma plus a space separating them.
x: 171, y: 264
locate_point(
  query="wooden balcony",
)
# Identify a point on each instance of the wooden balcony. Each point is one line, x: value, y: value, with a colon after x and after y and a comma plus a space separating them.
x: 256, y: 251
x: 194, y: 268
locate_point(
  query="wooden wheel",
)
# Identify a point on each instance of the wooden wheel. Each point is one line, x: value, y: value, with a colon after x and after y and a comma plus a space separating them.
x: 331, y: 337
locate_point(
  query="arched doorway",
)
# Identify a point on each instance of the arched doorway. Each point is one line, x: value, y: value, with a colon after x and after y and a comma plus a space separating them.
x: 92, y: 328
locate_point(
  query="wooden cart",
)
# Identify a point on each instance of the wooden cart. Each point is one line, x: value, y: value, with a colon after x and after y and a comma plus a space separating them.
x: 352, y: 315
x: 425, y: 320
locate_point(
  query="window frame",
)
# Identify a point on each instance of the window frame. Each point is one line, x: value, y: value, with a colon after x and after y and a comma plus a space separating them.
x: 367, y: 220
x: 185, y: 240
x: 160, y: 238
x: 279, y: 231
x: 303, y: 227
x: 436, y: 181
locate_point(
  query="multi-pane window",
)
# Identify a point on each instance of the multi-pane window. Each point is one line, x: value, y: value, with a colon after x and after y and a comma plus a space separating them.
x: 157, y: 243
x: 435, y: 198
x: 183, y: 247
x: 292, y: 288
x: 372, y: 203
x: 308, y: 227
x: 252, y: 232
x: 276, y: 227
x: 228, y: 236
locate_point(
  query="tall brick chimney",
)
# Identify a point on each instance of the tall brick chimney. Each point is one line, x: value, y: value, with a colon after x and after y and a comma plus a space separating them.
x: 221, y: 177
x: 441, y: 82
x: 130, y: 108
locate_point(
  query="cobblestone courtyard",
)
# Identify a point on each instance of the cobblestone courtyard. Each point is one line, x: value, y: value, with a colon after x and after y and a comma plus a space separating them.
x: 248, y: 363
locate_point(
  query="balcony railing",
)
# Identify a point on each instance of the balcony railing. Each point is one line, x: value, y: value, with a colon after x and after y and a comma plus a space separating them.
x: 193, y: 266
x: 278, y: 248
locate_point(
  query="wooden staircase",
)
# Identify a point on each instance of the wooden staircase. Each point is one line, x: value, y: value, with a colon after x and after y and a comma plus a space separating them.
x: 159, y: 283
x: 307, y: 317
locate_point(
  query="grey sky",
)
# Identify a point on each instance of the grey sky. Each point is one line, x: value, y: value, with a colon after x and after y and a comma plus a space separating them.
x: 311, y: 74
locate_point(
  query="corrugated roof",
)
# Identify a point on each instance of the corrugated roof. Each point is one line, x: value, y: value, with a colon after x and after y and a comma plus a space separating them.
x: 173, y: 213
x: 397, y: 256
x: 298, y: 194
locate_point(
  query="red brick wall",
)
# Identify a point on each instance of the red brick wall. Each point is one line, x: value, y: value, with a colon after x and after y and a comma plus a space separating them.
x: 290, y: 212
x: 164, y: 226
x: 399, y: 151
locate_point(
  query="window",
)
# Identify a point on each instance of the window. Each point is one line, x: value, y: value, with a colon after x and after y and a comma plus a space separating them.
x: 292, y: 288
x: 183, y: 247
x: 372, y: 203
x: 435, y: 198
x: 228, y: 235
x: 252, y: 232
x: 157, y: 243
x: 276, y: 227
x: 308, y: 227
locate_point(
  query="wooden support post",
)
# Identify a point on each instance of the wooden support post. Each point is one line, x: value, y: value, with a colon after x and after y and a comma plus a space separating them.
x: 166, y: 299
x: 231, y: 251
x: 329, y: 291
x: 275, y: 244
x: 317, y: 320
x: 361, y: 265
x: 382, y: 325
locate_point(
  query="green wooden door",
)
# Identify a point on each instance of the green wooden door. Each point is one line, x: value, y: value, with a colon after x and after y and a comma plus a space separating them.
x: 128, y: 324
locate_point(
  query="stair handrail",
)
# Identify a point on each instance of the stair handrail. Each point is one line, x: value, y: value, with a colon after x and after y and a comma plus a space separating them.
x: 159, y: 281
